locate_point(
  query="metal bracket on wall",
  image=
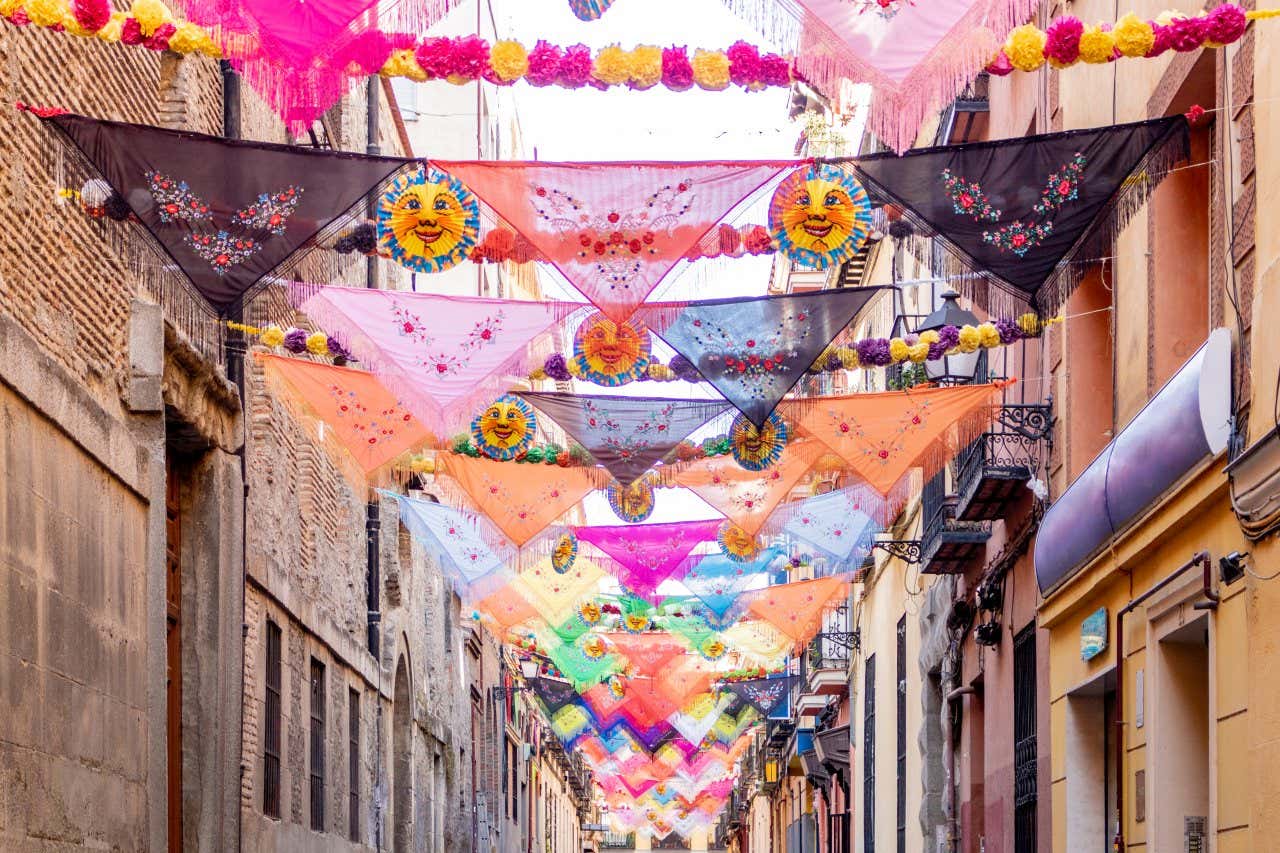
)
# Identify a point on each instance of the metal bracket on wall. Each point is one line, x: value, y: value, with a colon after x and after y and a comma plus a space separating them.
x: 906, y: 550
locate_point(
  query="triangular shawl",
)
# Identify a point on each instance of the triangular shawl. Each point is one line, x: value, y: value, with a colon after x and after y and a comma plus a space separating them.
x: 365, y: 418
x: 455, y: 537
x: 520, y: 503
x: 882, y: 436
x: 648, y: 653
x: 1021, y: 211
x: 627, y: 435
x: 679, y: 683
x: 755, y: 350
x: 699, y: 715
x: 224, y: 213
x: 445, y: 355
x: 647, y: 554
x: 915, y: 55
x: 796, y: 609
x: 717, y: 580
x: 764, y: 694
x: 834, y: 523
x: 554, y: 594
x: 748, y: 497
x: 555, y: 694
x: 614, y: 230
x: 506, y: 608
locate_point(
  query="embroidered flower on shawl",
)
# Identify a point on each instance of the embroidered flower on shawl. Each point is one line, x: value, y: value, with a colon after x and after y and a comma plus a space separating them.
x: 175, y: 200
x: 1019, y: 236
x: 271, y: 212
x: 372, y: 429
x: 221, y: 249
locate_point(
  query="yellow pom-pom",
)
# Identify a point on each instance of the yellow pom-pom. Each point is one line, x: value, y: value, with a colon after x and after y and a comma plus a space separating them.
x: 272, y: 336
x: 918, y: 352
x: 509, y: 60
x: 898, y: 350
x: 1134, y: 36
x: 1168, y: 16
x: 646, y: 67
x: 820, y: 363
x: 612, y: 66
x: 575, y: 369
x: 151, y: 15
x: 71, y: 25
x: 970, y: 339
x: 929, y: 337
x: 848, y: 358
x: 188, y: 38
x: 46, y: 13
x: 989, y: 335
x: 710, y: 69
x: 8, y: 7
x: 318, y: 343
x: 1029, y: 323
x: 1025, y: 47
x: 422, y: 465
x: 1096, y: 46
x: 537, y: 374
x: 110, y: 32
x: 402, y: 63
x: 661, y: 373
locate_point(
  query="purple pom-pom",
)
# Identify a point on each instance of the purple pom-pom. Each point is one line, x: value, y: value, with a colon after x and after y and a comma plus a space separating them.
x: 684, y: 369
x: 874, y: 351
x: 295, y: 341
x: 556, y: 368
x: 1009, y: 330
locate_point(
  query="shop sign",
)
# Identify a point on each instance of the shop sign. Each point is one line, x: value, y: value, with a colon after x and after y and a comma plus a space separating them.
x: 1093, y: 634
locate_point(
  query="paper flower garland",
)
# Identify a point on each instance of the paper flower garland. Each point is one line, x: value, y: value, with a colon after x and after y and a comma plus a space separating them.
x: 428, y: 222
x: 632, y: 503
x: 757, y: 449
x: 609, y: 353
x: 820, y: 215
x: 505, y: 428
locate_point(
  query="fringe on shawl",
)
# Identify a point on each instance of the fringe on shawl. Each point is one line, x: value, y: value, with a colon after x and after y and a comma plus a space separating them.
x: 1000, y: 298
x: 456, y: 415
x: 896, y: 111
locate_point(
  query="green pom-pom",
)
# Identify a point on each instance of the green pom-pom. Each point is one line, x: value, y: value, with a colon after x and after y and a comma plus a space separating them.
x: 460, y: 443
x: 534, y: 455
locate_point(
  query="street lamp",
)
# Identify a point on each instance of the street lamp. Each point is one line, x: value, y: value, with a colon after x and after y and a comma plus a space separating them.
x: 951, y: 369
x: 529, y: 668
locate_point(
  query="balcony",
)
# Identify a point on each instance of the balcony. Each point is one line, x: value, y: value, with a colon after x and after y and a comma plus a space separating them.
x: 992, y: 472
x: 827, y: 659
x: 948, y: 544
x: 967, y: 119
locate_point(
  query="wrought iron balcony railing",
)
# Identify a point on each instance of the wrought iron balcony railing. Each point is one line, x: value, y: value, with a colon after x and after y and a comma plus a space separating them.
x: 993, y: 471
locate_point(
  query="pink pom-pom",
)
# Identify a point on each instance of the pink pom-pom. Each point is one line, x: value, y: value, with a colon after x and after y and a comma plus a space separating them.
x: 1226, y: 24
x: 544, y: 64
x: 1062, y: 40
x: 758, y: 240
x: 435, y: 55
x: 744, y: 63
x: 775, y: 70
x: 575, y: 67
x: 19, y: 18
x: 1188, y: 34
x: 92, y: 15
x: 402, y: 41
x: 677, y: 71
x: 159, y: 39
x: 131, y: 32
x: 471, y: 57
x: 1163, y: 39
x: 1000, y: 66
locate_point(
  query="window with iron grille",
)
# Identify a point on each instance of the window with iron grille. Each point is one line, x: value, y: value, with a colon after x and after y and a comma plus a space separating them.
x: 317, y: 745
x: 353, y: 764
x: 869, y: 757
x: 1024, y: 740
x: 271, y: 734
x: 902, y: 734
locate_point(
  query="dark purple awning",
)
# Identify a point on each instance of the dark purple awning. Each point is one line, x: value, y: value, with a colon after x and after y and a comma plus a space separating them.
x: 1187, y: 421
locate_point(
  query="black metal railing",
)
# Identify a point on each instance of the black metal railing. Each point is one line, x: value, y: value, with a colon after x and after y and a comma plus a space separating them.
x: 830, y: 650
x: 1019, y: 440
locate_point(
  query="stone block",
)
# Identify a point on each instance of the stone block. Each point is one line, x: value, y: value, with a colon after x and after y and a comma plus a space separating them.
x: 20, y: 697
x: 146, y: 358
x: 19, y: 616
x: 71, y: 720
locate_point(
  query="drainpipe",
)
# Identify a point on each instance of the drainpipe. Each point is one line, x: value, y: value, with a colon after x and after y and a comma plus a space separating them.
x: 235, y: 366
x: 1201, y: 559
x: 373, y: 108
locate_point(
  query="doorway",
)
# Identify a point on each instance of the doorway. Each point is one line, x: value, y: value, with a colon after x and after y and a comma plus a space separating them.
x: 1091, y: 775
x: 402, y: 749
x: 1179, y: 776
